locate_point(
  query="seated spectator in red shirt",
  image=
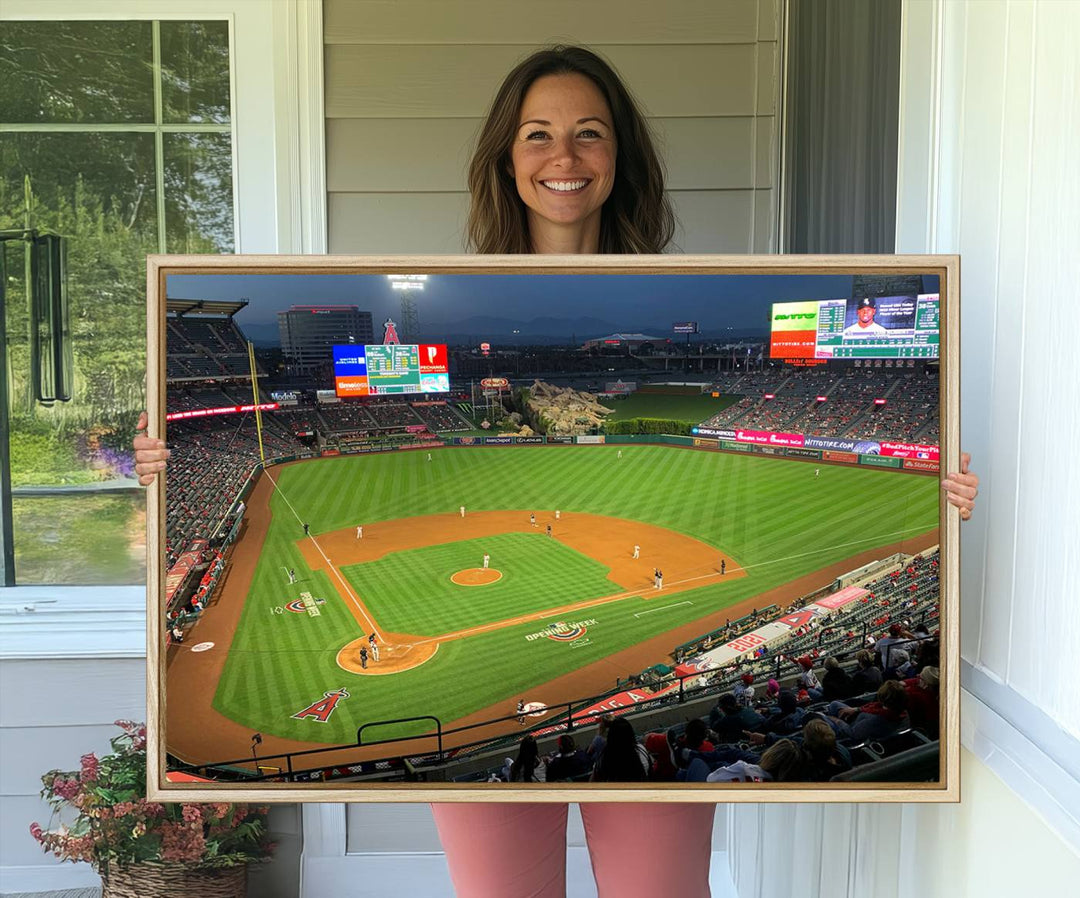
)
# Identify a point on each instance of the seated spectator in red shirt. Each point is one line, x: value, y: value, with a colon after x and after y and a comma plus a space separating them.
x: 874, y: 720
x: 923, y: 701
x: 694, y: 737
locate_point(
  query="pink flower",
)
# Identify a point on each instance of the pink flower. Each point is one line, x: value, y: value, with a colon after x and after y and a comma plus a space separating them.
x: 90, y: 767
x: 180, y: 842
x: 123, y: 808
x: 65, y: 788
x: 37, y: 832
x: 192, y: 814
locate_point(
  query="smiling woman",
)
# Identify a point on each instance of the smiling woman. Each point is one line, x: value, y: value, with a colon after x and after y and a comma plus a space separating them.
x: 563, y: 117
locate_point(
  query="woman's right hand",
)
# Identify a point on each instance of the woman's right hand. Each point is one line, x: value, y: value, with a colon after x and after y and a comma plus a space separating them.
x: 150, y: 454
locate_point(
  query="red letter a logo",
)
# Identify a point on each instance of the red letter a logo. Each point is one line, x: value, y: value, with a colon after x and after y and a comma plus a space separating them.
x: 324, y: 707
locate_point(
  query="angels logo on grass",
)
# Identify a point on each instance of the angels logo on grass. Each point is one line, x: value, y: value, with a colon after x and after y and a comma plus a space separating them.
x: 561, y: 631
x: 324, y: 707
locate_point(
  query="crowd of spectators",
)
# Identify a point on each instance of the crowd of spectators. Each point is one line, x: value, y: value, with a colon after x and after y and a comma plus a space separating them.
x: 212, y: 458
x: 205, y: 347
x: 848, y: 410
x: 441, y: 417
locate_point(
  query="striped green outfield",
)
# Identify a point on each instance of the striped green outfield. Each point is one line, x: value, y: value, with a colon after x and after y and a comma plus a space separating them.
x: 411, y: 591
x: 772, y: 515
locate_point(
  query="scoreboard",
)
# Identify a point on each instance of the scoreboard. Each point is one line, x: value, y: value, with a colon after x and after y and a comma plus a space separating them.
x: 899, y: 327
x: 391, y: 369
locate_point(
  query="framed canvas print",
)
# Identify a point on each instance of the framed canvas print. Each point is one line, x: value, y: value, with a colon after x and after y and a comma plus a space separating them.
x: 553, y: 528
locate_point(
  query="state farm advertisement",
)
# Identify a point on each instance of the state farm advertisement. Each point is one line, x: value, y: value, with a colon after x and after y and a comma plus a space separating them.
x: 768, y: 438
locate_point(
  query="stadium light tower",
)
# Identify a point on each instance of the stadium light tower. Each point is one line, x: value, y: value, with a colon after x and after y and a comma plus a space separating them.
x: 407, y: 284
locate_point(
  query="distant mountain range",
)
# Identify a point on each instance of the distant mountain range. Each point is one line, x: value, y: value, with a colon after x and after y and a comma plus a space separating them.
x: 535, y: 332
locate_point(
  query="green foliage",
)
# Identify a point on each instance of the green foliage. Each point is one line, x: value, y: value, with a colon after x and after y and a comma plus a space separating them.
x: 648, y: 426
x: 99, y: 191
x: 116, y: 825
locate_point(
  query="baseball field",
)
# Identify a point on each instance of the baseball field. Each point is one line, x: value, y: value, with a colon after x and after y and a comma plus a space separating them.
x: 456, y: 639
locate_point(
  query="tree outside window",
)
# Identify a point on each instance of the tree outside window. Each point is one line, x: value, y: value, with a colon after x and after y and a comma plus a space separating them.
x: 118, y: 137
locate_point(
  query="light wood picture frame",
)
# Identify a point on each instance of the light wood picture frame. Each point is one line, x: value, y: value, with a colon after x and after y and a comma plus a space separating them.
x: 372, y: 507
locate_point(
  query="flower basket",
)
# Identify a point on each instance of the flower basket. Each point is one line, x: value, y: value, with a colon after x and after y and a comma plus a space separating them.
x: 173, y: 881
x: 148, y: 849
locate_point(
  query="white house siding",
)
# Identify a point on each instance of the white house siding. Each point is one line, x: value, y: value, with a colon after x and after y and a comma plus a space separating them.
x: 408, y: 83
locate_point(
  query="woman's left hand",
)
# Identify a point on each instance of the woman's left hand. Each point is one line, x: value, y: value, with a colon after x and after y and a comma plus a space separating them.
x: 962, y: 488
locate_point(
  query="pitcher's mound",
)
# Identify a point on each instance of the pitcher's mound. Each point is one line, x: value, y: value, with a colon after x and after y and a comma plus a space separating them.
x: 476, y: 576
x: 394, y: 657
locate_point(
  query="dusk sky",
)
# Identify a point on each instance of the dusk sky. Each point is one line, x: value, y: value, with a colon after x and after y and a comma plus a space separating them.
x: 627, y: 302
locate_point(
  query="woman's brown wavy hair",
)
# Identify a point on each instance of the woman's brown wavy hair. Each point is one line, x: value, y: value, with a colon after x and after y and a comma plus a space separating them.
x: 637, y: 216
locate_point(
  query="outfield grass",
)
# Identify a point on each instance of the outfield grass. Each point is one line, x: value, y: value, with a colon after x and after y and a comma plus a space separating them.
x: 692, y: 409
x: 411, y: 591
x: 772, y: 515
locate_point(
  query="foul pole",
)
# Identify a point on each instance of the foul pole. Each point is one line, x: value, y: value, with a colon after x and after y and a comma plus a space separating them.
x: 255, y: 400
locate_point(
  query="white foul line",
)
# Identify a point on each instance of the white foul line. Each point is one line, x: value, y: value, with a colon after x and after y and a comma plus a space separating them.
x: 663, y: 608
x: 348, y: 589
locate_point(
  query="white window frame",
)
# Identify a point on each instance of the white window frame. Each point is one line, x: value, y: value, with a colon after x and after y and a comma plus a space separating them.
x: 1032, y: 754
x: 279, y: 200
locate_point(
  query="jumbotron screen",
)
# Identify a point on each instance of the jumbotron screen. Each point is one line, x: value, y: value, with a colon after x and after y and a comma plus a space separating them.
x: 391, y: 369
x: 864, y: 327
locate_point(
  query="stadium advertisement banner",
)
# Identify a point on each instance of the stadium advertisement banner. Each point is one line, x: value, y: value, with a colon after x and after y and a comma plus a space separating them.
x: 917, y: 464
x: 561, y: 440
x: 589, y: 439
x: 713, y: 432
x: 620, y: 386
x: 827, y: 443
x: 326, y: 396
x: 765, y: 450
x: 610, y: 705
x: 879, y: 461
x: 844, y: 597
x: 768, y: 438
x: 498, y: 441
x: 803, y: 453
x: 465, y: 441
x: 910, y: 450
x: 794, y: 330
x: 845, y: 458
x: 415, y: 428
x: 529, y: 441
x: 734, y: 447
x: 221, y: 410
x: 707, y: 444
